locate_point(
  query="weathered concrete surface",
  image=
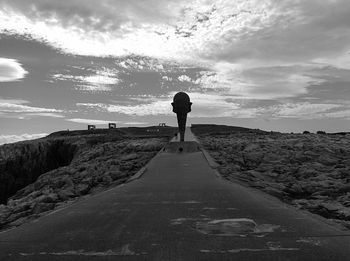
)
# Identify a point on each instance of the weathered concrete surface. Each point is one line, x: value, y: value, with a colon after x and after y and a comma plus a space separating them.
x: 178, y: 210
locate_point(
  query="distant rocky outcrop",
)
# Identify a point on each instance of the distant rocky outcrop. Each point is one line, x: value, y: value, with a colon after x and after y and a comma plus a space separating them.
x: 40, y: 175
x: 310, y: 171
x: 214, y: 129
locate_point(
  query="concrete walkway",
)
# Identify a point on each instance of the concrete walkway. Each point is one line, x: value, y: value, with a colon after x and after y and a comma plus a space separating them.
x: 178, y: 210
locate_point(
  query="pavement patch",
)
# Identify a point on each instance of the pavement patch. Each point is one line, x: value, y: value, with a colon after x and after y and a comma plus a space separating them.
x: 190, y: 202
x: 125, y: 251
x: 239, y: 250
x: 311, y: 241
x: 234, y: 227
x: 270, y: 246
x: 180, y: 221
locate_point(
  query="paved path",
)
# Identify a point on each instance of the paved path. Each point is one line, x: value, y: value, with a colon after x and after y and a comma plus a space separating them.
x: 178, y: 210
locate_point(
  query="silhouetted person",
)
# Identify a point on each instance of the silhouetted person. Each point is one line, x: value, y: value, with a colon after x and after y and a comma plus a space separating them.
x: 181, y: 106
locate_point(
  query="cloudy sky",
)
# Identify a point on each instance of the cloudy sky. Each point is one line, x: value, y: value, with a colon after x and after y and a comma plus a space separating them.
x: 269, y: 64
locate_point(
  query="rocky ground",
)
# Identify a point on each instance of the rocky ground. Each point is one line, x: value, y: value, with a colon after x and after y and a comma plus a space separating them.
x: 309, y: 171
x: 44, y: 174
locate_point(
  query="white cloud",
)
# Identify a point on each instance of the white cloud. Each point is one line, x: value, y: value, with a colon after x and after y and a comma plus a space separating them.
x: 93, y: 88
x: 216, y: 105
x: 167, y: 78
x: 143, y: 63
x: 93, y: 106
x: 27, y: 116
x: 18, y: 109
x: 271, y: 82
x: 160, y: 107
x: 199, y: 31
x: 204, y: 105
x: 14, y: 138
x: 45, y: 114
x: 168, y: 29
x: 12, y: 108
x: 11, y: 70
x: 100, y: 122
x: 102, y: 80
x: 303, y: 110
x: 90, y: 121
x: 184, y: 78
x: 14, y: 101
x: 338, y: 114
x: 248, y: 49
x: 216, y: 30
x: 291, y: 31
x: 135, y: 123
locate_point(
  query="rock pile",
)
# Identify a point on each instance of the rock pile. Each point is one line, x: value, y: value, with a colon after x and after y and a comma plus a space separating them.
x: 23, y: 162
x: 309, y: 171
x: 95, y: 163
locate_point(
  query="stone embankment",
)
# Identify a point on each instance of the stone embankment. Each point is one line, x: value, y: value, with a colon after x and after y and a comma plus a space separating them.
x: 310, y: 171
x: 40, y: 175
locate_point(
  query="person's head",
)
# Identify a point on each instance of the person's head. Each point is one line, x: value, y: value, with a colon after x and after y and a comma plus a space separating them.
x: 181, y: 103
